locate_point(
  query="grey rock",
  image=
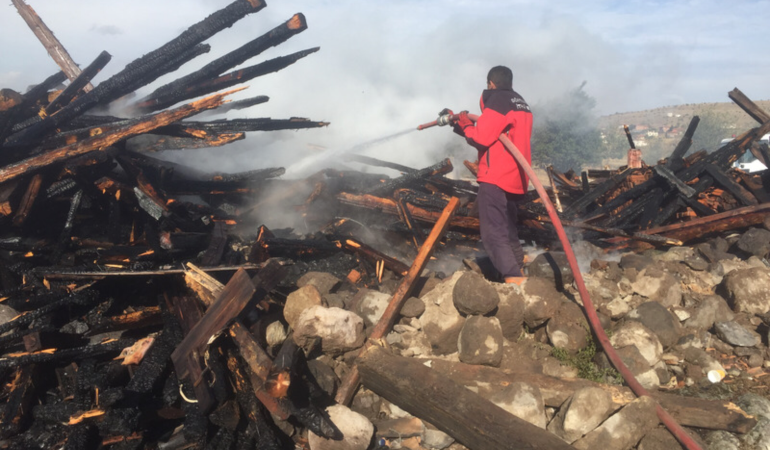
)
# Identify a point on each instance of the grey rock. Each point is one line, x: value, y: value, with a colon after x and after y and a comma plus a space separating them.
x: 755, y: 241
x: 659, y: 439
x: 481, y: 341
x: 7, y: 314
x: 759, y: 436
x: 356, y: 429
x: 568, y: 328
x: 748, y: 290
x: 658, y: 286
x: 722, y: 440
x: 371, y: 306
x: 324, y: 376
x: 388, y: 286
x: 510, y: 310
x: 334, y: 300
x: 436, y: 439
x: 523, y: 400
x: 413, y: 307
x: 623, y: 429
x: 635, y: 261
x: 583, y: 412
x: 657, y: 319
x: 300, y: 300
x: 366, y: 403
x: 734, y: 334
x: 754, y: 404
x: 323, y: 281
x: 702, y: 359
x: 711, y: 308
x: 473, y: 295
x: 425, y: 285
x: 337, y: 329
x: 552, y: 266
x: 441, y: 321
x: 631, y: 332
x: 541, y: 300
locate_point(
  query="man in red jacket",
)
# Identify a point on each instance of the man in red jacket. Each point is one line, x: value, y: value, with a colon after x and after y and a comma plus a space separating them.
x: 502, y: 183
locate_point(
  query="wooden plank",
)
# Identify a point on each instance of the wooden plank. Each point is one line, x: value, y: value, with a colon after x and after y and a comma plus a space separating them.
x: 688, y: 411
x: 27, y: 200
x: 751, y: 108
x: 738, y: 191
x: 466, y: 416
x: 388, y: 206
x: 350, y: 383
x: 673, y: 180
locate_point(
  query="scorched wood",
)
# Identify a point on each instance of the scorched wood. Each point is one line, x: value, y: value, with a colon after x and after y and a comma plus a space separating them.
x: 81, y: 82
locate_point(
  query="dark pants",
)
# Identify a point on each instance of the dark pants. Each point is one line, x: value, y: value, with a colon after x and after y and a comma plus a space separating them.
x: 498, y: 211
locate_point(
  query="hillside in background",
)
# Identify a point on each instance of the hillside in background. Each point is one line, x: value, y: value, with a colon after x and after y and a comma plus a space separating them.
x: 657, y: 131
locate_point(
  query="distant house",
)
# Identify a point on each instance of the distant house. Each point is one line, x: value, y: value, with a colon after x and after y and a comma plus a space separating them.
x: 652, y: 133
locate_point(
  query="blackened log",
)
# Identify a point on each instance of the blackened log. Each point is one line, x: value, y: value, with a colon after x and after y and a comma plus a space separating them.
x: 143, y: 125
x: 81, y: 82
x: 751, y: 108
x: 628, y: 214
x: 64, y: 237
x: 70, y: 354
x: 440, y: 168
x: 116, y: 86
x: 27, y: 200
x: 738, y: 191
x: 577, y: 207
x: 371, y: 254
x: 669, y: 208
x: 416, y: 231
x: 240, y: 104
x: 676, y: 161
x: 216, y: 247
x: 651, y: 209
x: 240, y: 125
x: 25, y: 109
x: 207, y: 86
x: 171, y: 91
x: 82, y: 298
x: 152, y: 143
x: 628, y: 136
x: 672, y: 180
x: 380, y: 163
x: 757, y: 189
x: 58, y: 274
x: 459, y: 412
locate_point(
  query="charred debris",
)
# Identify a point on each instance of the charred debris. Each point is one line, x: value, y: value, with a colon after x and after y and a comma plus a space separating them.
x: 144, y: 300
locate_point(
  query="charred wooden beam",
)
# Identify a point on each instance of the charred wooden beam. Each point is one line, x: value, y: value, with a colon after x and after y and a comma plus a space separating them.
x: 577, y: 207
x: 27, y: 200
x: 350, y: 382
x: 81, y: 82
x: 24, y: 110
x: 153, y: 143
x: 116, y: 86
x: 372, y: 255
x: 207, y: 86
x: 52, y: 355
x: 52, y: 45
x: 380, y: 163
x: 201, y: 129
x: 143, y: 125
x: 216, y: 248
x: 440, y: 168
x: 240, y: 104
x: 472, y: 420
x: 724, y: 180
x: 676, y: 161
x: 171, y: 91
x: 672, y: 180
x: 58, y: 274
x: 751, y: 108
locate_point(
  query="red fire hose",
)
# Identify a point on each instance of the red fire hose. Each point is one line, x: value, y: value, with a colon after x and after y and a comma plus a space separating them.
x: 675, y: 429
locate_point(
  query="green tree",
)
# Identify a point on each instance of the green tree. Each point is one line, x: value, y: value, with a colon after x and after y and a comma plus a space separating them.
x: 565, y: 132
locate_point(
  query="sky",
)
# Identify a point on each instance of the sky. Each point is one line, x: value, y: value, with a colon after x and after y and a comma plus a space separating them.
x: 387, y: 66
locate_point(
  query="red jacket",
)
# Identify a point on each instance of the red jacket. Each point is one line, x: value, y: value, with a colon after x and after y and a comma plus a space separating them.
x: 502, y: 111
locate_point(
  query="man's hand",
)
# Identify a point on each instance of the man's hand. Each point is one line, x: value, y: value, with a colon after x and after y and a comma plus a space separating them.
x: 446, y: 111
x: 463, y: 121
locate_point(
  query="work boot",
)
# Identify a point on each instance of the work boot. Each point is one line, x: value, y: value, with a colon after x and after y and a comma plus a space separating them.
x: 515, y: 280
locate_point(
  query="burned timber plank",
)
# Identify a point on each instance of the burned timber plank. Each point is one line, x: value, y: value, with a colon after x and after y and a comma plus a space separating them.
x: 751, y: 108
x: 404, y: 289
x: 596, y: 193
x: 81, y: 82
x: 388, y: 206
x: 724, y: 180
x: 688, y: 411
x: 100, y: 142
x: 474, y: 421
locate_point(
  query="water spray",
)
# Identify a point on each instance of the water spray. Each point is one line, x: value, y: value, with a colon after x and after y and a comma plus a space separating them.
x: 593, y: 319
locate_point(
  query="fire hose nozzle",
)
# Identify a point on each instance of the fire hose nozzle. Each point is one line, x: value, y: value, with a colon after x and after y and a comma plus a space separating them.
x: 446, y: 119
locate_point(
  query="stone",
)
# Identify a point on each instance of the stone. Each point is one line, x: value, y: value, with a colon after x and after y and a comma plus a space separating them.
x: 658, y: 286
x: 357, y: 431
x: 436, y: 439
x: 324, y: 376
x: 510, y: 310
x: 708, y: 310
x: 581, y: 413
x: 523, y: 400
x: 754, y: 404
x: 702, y: 359
x: 481, y: 341
x: 623, y: 429
x: 413, y: 307
x: 323, y: 281
x: 371, y: 306
x: 617, y: 308
x: 473, y: 295
x: 657, y: 319
x: 659, y: 439
x: 552, y: 266
x: 601, y: 289
x: 755, y: 241
x: 541, y: 300
x: 722, y: 440
x: 441, y: 321
x: 300, y: 300
x: 388, y: 286
x: 631, y: 332
x: 635, y: 261
x: 759, y: 436
x: 338, y: 330
x: 735, y: 334
x: 568, y: 328
x: 367, y: 403
x: 425, y: 285
x: 748, y: 290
